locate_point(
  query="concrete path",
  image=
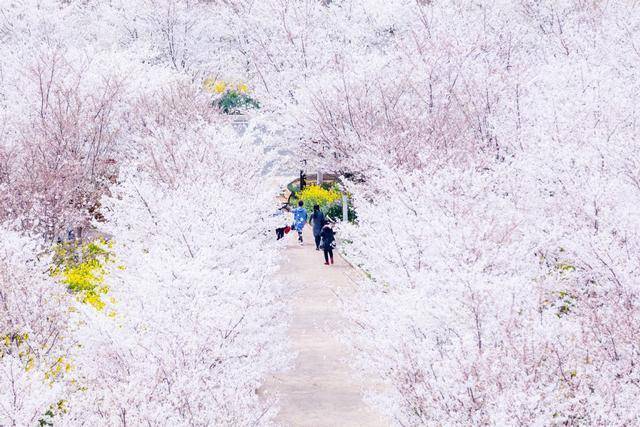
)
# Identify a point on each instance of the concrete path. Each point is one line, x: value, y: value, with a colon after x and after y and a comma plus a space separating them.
x: 320, y: 389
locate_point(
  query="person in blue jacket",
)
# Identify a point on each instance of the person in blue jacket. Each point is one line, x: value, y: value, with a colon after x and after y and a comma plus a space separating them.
x: 299, y: 219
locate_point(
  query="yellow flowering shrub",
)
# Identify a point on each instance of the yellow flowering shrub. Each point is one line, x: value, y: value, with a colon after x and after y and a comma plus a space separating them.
x: 315, y: 195
x: 219, y: 87
x: 82, y: 268
x: 229, y: 97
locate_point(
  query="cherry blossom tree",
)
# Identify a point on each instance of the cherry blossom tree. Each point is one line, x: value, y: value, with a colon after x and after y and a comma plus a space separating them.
x: 34, y: 323
x: 203, y: 307
x: 197, y: 320
x: 482, y: 221
x: 198, y: 323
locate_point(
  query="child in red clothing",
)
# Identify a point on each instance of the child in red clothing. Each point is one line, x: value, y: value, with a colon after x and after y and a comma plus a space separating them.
x: 280, y: 232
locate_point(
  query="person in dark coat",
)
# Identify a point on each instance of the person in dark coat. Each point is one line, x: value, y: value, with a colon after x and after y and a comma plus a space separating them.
x: 328, y: 242
x: 318, y: 220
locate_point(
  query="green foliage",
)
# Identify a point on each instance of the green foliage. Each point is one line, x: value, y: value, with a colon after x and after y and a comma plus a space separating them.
x: 53, y: 411
x: 233, y: 101
x: 565, y: 303
x: 335, y: 211
x: 328, y: 185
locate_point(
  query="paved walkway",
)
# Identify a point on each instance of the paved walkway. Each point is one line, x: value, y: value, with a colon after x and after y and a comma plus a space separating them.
x: 320, y: 389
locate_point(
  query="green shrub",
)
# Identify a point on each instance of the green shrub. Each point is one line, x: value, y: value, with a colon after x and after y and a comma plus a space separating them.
x: 232, y: 102
x: 335, y: 211
x: 230, y: 98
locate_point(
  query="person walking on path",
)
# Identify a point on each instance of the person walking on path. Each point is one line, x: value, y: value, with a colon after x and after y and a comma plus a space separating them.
x: 328, y: 243
x: 317, y: 220
x: 299, y: 219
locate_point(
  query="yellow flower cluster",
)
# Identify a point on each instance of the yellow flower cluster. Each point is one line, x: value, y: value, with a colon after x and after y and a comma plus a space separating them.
x: 83, y: 268
x: 212, y: 85
x: 316, y: 195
